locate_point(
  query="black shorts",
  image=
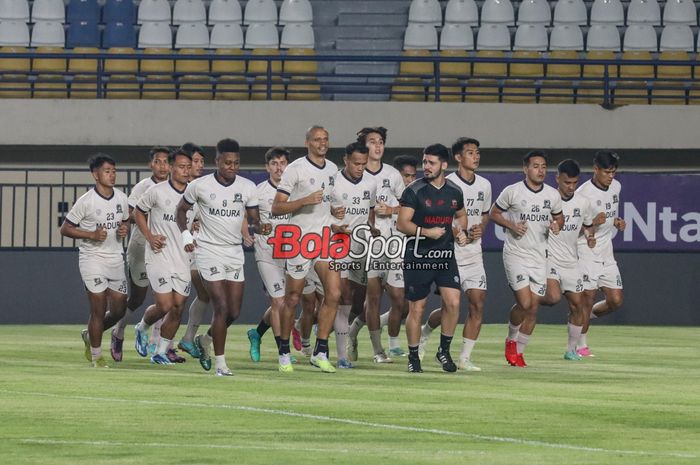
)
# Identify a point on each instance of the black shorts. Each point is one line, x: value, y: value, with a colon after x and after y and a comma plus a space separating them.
x: 419, y: 276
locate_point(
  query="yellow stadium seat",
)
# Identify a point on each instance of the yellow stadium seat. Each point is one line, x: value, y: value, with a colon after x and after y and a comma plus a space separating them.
x: 485, y: 77
x: 16, y: 79
x: 258, y: 91
x: 633, y: 92
x: 193, y: 86
x: 303, y: 84
x: 159, y: 86
x: 551, y: 89
x: 49, y: 85
x: 525, y: 74
x: 452, y: 76
x: 594, y: 91
x: 122, y: 83
x: 230, y: 76
x: 83, y: 85
x: 677, y: 73
x: 408, y: 88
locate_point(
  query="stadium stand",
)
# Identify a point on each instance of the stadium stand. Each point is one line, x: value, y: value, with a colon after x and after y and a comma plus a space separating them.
x: 14, y: 10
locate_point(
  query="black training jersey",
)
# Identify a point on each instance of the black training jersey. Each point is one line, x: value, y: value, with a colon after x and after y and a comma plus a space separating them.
x: 434, y: 207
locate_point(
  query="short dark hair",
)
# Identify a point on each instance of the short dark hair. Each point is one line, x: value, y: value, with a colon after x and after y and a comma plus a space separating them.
x: 458, y: 145
x: 314, y: 128
x: 534, y: 153
x: 179, y: 152
x: 364, y: 132
x: 97, y: 160
x: 356, y: 146
x: 276, y: 152
x: 155, y: 150
x: 227, y: 146
x: 405, y: 160
x: 192, y: 148
x: 438, y: 150
x: 569, y: 167
x: 606, y: 159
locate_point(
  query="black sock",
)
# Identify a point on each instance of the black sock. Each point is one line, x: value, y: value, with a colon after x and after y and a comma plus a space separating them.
x: 262, y: 328
x: 445, y: 342
x: 413, y: 351
x: 321, y: 346
x: 278, y: 341
x: 284, y: 346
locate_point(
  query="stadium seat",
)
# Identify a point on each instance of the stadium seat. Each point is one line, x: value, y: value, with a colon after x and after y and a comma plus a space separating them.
x: 639, y: 41
x: 83, y: 10
x: 226, y: 36
x: 676, y: 37
x: 676, y: 42
x: 603, y: 37
x: 231, y: 83
x: 462, y: 12
x: 261, y: 35
x: 680, y: 12
x: 48, y: 34
x: 419, y: 40
x: 607, y: 12
x: 565, y: 42
x: 119, y: 11
x: 85, y: 79
x: 297, y: 35
x: 566, y: 37
x: 14, y: 10
x: 48, y: 10
x: 122, y: 83
x: 603, y: 42
x: 192, y: 35
x: 303, y: 84
x: 154, y: 11
x: 156, y: 39
x: 456, y: 41
x: 534, y: 12
x: 493, y: 37
x: 644, y: 12
x: 570, y: 12
x: 491, y: 42
x: 192, y: 39
x: 259, y: 68
x: 260, y: 11
x: 14, y: 38
x: 155, y: 35
x: 530, y: 41
x: 83, y: 34
x: 497, y: 12
x: 225, y: 11
x: 420, y: 36
x: 457, y: 37
x: 425, y: 11
x: 189, y: 11
x: 119, y: 35
x: 296, y: 11
x: 49, y: 38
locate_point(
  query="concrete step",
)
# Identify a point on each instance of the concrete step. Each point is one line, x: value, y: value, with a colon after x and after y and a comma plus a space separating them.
x: 369, y: 45
x: 372, y: 19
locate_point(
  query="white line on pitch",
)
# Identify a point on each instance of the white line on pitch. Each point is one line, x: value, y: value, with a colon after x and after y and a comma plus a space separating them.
x: 347, y: 421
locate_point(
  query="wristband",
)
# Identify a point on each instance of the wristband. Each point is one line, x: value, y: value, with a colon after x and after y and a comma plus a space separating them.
x: 187, y: 238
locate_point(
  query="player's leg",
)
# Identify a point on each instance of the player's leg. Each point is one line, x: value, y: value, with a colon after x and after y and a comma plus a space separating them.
x: 303, y: 325
x: 330, y: 280
x: 588, y: 299
x: 418, y: 284
x: 448, y: 322
x: 341, y: 324
x: 613, y: 300
x: 197, y: 309
x: 575, y: 324
x: 553, y: 294
x: 93, y: 336
x: 164, y: 304
x: 294, y: 286
x: 373, y: 297
x: 472, y: 328
x: 396, y: 314
x: 433, y: 321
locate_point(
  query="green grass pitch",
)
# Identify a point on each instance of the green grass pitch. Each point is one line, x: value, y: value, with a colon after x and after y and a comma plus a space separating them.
x: 637, y: 402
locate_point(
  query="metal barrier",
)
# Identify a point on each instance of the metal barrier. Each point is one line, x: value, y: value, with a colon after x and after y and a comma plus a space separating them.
x: 276, y: 84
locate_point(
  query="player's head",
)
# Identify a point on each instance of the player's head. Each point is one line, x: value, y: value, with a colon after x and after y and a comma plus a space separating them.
x: 435, y: 160
x: 159, y: 162
x: 180, y: 166
x: 317, y: 141
x: 605, y: 167
x: 466, y: 153
x: 198, y: 157
x: 408, y: 167
x: 535, y: 166
x: 103, y: 169
x: 276, y: 161
x: 374, y: 139
x: 355, y: 158
x: 568, y: 172
x: 228, y: 159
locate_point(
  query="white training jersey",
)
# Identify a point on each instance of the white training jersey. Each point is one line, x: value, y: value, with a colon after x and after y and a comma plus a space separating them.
x: 536, y: 209
x: 608, y: 202
x: 358, y: 196
x: 303, y: 177
x: 222, y: 208
x: 390, y: 186
x: 136, y: 192
x: 562, y: 247
x: 477, y: 202
x: 91, y: 211
x: 265, y: 193
x: 160, y: 204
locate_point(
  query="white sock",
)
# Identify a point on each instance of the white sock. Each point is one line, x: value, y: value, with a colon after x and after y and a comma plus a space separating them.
x: 171, y: 346
x: 155, y: 334
x: 196, y: 314
x: 206, y: 340
x: 355, y: 327
x: 376, y: 338
x: 394, y: 342
x: 163, y: 346
x: 522, y: 342
x: 467, y: 347
x: 426, y: 330
x: 95, y: 353
x: 142, y: 326
x: 220, y: 361
x: 341, y: 330
x: 383, y: 319
x: 513, y: 331
x: 574, y: 336
x: 582, y: 341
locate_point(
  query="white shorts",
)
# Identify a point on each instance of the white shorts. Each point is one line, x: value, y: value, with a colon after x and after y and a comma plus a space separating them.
x: 521, y: 274
x: 313, y: 283
x: 220, y: 263
x: 164, y: 281
x: 100, y: 273
x: 272, y: 275
x: 388, y: 270
x: 570, y: 277
x: 136, y: 261
x: 599, y: 274
x: 298, y: 267
x: 472, y: 276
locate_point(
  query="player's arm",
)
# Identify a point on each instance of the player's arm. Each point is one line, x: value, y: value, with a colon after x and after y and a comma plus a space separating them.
x: 181, y: 219
x: 588, y: 231
x: 405, y: 224
x: 496, y: 215
x: 72, y: 231
x: 281, y: 205
x: 156, y: 241
x: 461, y: 233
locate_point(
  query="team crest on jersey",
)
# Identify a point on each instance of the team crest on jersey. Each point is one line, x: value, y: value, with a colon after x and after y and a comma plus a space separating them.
x: 428, y: 203
x: 552, y: 271
x: 167, y: 202
x: 386, y: 183
x: 480, y: 196
x: 277, y: 287
x: 238, y: 198
x: 586, y: 279
x: 312, y: 181
x: 143, y: 275
x: 577, y: 212
x: 547, y: 204
x: 440, y: 202
x: 365, y: 195
x: 212, y: 196
x: 345, y: 196
x: 98, y: 212
x: 119, y: 208
x: 453, y: 204
x: 578, y: 281
x: 162, y: 282
x: 213, y: 270
x: 456, y: 279
x: 599, y: 202
x: 520, y: 278
x: 331, y: 181
x: 615, y: 198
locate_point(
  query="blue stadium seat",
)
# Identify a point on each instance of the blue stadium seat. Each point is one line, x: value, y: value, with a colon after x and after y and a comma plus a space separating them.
x: 83, y: 10
x: 119, y: 35
x: 119, y: 11
x: 83, y: 34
